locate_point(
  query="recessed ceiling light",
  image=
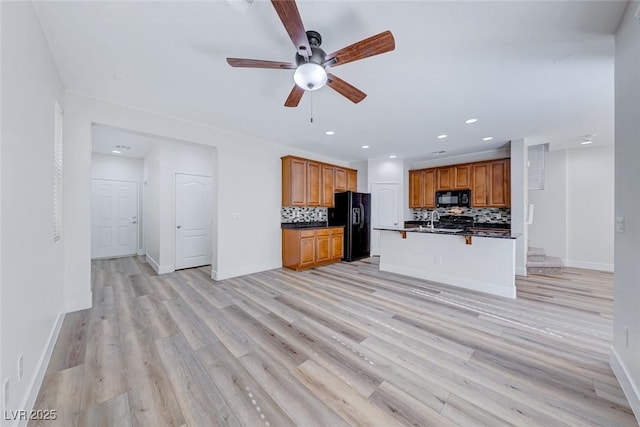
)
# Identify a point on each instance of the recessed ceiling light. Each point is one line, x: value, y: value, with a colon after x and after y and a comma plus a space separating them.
x: 116, y: 151
x: 470, y: 121
x: 365, y: 146
x: 487, y: 138
x: 329, y: 132
x: 586, y: 141
x: 444, y: 135
x: 436, y: 153
x: 393, y: 156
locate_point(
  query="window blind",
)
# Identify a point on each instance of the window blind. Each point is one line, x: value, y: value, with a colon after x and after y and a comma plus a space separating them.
x: 57, y: 174
x: 536, y: 166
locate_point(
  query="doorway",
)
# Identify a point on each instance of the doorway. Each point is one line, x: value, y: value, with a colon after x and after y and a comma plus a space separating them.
x: 385, y: 202
x: 193, y: 220
x: 114, y: 218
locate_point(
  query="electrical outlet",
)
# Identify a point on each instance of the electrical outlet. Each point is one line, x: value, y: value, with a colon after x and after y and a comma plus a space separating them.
x: 498, y: 215
x: 20, y: 366
x: 620, y: 224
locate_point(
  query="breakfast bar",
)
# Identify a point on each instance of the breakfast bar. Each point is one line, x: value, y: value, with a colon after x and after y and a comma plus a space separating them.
x: 480, y: 261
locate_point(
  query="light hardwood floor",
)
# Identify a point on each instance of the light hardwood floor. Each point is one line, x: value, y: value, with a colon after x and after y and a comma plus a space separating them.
x: 340, y: 345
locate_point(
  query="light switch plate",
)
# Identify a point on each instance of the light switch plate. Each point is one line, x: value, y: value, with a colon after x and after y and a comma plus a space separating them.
x: 619, y: 224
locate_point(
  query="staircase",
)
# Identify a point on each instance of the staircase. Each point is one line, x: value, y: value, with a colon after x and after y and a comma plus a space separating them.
x: 540, y: 264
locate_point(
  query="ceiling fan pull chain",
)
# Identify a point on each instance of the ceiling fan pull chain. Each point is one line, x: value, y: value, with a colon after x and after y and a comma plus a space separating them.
x: 311, y: 96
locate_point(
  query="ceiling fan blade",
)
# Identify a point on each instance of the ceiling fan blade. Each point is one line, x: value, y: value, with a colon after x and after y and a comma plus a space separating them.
x: 374, y: 45
x: 294, y: 97
x: 354, y: 94
x: 287, y: 10
x: 258, y: 63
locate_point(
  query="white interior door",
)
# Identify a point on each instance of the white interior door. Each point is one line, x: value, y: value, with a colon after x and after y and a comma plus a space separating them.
x: 385, y: 210
x: 114, y: 218
x: 193, y: 220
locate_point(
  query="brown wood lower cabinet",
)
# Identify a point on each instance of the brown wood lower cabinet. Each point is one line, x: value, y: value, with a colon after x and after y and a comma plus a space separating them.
x: 308, y: 248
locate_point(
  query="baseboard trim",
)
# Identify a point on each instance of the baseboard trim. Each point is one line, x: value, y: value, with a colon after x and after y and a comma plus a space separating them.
x: 599, y: 266
x: 626, y: 382
x: 43, y: 363
x: 140, y: 252
x: 160, y: 269
x: 520, y: 271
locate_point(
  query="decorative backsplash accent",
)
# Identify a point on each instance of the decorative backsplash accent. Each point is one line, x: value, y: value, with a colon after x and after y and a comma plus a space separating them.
x: 296, y: 214
x: 482, y: 215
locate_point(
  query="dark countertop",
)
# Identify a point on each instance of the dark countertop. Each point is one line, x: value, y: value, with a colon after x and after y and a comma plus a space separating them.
x: 304, y: 225
x: 475, y: 224
x: 427, y: 230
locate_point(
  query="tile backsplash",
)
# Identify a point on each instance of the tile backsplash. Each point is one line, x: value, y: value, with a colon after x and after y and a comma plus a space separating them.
x: 482, y: 215
x: 296, y: 214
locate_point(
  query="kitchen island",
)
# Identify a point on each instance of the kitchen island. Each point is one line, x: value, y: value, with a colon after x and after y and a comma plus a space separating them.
x: 480, y: 261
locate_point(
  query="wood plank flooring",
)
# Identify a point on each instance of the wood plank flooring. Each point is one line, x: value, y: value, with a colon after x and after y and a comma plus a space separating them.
x: 339, y: 345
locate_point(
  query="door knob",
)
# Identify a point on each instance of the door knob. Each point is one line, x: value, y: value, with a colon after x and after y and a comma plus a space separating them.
x: 178, y: 226
x: 134, y: 222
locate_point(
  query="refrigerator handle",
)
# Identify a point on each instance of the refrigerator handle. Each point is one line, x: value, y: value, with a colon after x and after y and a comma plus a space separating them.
x: 362, y: 213
x: 355, y: 220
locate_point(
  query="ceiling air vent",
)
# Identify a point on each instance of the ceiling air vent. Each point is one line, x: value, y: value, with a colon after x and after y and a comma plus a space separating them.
x: 240, y: 6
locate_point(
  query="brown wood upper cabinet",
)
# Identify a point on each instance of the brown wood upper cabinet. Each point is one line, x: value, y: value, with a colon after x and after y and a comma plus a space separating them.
x: 340, y: 180
x: 422, y: 188
x: 294, y: 182
x: 352, y: 180
x: 489, y: 181
x: 491, y: 184
x: 314, y: 184
x: 310, y: 183
x: 457, y: 177
x: 480, y: 188
x: 328, y: 185
x: 500, y: 183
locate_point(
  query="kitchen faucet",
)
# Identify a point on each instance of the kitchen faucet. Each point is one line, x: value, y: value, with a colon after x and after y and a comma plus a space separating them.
x: 434, y: 215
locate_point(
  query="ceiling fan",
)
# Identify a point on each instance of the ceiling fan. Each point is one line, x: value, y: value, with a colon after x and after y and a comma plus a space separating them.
x: 311, y: 62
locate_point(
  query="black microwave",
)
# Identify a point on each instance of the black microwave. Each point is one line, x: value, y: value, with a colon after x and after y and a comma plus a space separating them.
x: 447, y: 199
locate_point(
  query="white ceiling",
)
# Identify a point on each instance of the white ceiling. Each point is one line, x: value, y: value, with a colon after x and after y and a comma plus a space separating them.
x: 536, y: 69
x: 105, y: 139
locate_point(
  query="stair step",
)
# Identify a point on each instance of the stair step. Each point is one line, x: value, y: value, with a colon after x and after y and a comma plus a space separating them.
x: 536, y: 251
x: 550, y: 266
x: 549, y: 261
x: 536, y: 258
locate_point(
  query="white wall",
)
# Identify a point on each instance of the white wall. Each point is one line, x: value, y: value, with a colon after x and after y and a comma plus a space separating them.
x: 363, y: 175
x: 590, y: 208
x: 549, y: 228
x: 248, y: 178
x: 119, y: 168
x: 519, y: 201
x: 573, y: 215
x: 31, y: 294
x: 151, y: 192
x: 168, y: 158
x: 625, y: 359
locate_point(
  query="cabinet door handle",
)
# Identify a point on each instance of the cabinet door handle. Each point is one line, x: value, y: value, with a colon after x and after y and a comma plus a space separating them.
x: 178, y: 226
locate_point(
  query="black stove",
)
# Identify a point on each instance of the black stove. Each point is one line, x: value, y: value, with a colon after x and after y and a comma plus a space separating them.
x: 456, y: 221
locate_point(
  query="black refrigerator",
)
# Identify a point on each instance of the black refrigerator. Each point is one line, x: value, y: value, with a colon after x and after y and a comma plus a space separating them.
x: 353, y: 210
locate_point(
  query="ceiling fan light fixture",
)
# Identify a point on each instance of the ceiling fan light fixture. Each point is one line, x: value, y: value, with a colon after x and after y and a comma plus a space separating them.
x: 310, y: 76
